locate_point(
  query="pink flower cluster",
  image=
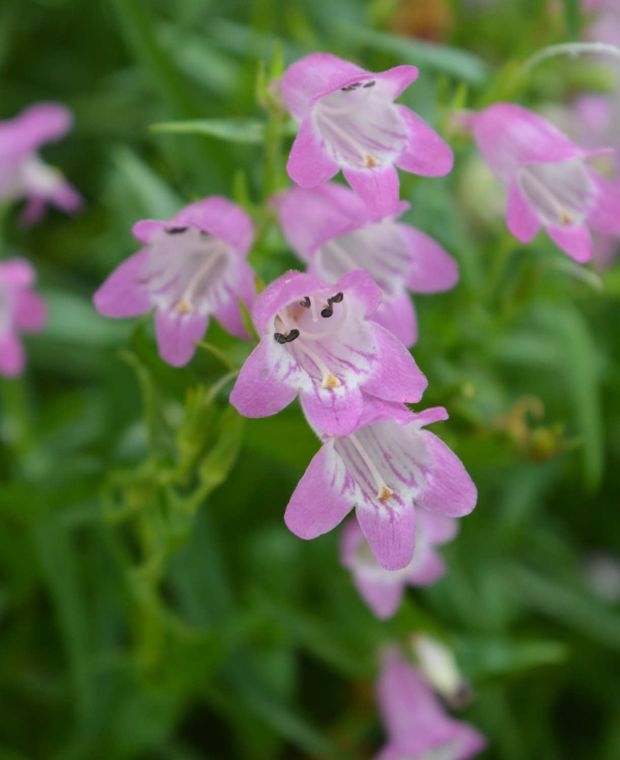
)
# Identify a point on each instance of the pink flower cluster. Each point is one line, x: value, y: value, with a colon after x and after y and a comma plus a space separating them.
x: 25, y: 176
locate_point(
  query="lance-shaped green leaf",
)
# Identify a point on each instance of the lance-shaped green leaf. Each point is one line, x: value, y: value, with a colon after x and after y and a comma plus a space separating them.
x: 249, y: 131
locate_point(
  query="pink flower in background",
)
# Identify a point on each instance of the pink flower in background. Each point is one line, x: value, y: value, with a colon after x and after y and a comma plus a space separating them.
x: 21, y: 311
x: 390, y: 469
x: 348, y: 121
x: 23, y: 174
x: 381, y: 589
x: 335, y: 232
x: 548, y: 181
x: 318, y: 341
x: 191, y: 267
x: 417, y: 725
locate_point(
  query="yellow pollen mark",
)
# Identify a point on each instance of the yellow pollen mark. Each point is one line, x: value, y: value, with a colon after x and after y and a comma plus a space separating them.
x: 330, y: 381
x: 183, y: 307
x: 371, y: 162
x: 385, y: 493
x: 565, y: 218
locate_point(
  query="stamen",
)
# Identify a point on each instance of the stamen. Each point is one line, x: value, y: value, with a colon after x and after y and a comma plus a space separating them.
x: 337, y: 298
x: 305, y: 303
x: 292, y: 335
x: 372, y: 83
x: 370, y: 162
x: 384, y: 492
x: 327, y: 312
x: 176, y: 230
x: 351, y: 87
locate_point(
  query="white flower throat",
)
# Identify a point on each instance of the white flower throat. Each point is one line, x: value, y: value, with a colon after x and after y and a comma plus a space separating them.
x: 562, y: 193
x: 360, y: 125
x: 188, y: 270
x: 303, y: 324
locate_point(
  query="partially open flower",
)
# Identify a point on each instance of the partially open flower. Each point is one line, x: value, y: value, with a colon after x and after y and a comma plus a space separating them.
x: 191, y: 268
x: 441, y: 669
x: 548, y: 179
x: 334, y: 231
x: 319, y: 341
x: 389, y: 468
x: 382, y: 589
x: 348, y: 121
x: 21, y: 311
x: 417, y: 725
x: 23, y: 174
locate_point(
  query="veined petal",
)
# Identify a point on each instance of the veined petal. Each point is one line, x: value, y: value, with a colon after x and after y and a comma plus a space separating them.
x: 396, y: 376
x: 574, y: 240
x: 177, y: 335
x: 398, y: 317
x: 605, y: 214
x: 425, y: 152
x: 228, y: 314
x: 522, y: 221
x: 321, y: 500
x: 434, y: 270
x: 308, y: 163
x: 389, y: 532
x: 123, y: 294
x: 362, y: 286
x: 378, y: 187
x: 448, y: 489
x: 313, y: 76
x: 261, y: 389
x: 399, y: 78
x: 331, y: 412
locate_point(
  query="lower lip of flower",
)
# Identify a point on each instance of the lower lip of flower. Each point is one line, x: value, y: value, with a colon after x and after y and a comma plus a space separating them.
x: 561, y: 193
x: 360, y: 126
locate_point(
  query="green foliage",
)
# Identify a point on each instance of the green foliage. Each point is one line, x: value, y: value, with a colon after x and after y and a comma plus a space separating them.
x: 152, y: 602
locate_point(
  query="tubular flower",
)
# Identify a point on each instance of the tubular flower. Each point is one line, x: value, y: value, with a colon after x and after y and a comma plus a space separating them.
x: 348, y: 121
x: 318, y: 341
x: 548, y: 181
x: 190, y: 268
x: 389, y: 468
x: 418, y: 727
x: 381, y: 589
x: 23, y: 174
x: 21, y: 310
x: 334, y: 232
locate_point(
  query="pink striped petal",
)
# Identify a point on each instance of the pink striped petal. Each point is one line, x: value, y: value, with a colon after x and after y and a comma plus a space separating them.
x: 574, y: 240
x: 379, y: 187
x: 426, y: 153
x: 522, y: 221
x: 308, y: 163
x: 122, y: 294
x: 177, y: 335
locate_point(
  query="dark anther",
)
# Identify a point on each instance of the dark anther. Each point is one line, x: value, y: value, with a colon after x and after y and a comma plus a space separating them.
x: 176, y: 230
x: 372, y: 83
x: 327, y: 312
x: 286, y: 338
x: 350, y: 87
x: 305, y: 303
x: 336, y: 299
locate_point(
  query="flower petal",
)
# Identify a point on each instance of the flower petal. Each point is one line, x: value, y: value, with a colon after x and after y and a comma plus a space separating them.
x: 575, y: 240
x: 605, y: 216
x: 220, y: 217
x: 229, y: 313
x: 382, y: 593
x: 379, y: 187
x: 17, y: 272
x: 30, y: 312
x: 12, y: 358
x: 36, y: 125
x: 398, y: 78
x: 315, y: 75
x: 320, y: 501
x: 333, y: 413
x: 521, y: 220
x: 259, y: 390
x: 429, y: 569
x: 308, y: 163
x: 399, y: 317
x: 361, y: 285
x: 122, y: 294
x: 434, y: 270
x: 448, y: 489
x: 145, y: 229
x: 177, y: 335
x: 289, y: 287
x: 426, y: 153
x: 397, y: 376
x: 389, y: 532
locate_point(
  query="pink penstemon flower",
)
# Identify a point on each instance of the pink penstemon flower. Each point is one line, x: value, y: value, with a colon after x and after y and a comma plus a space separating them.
x: 21, y: 311
x: 191, y: 267
x: 389, y: 468
x: 334, y: 232
x: 548, y: 179
x: 319, y: 341
x: 416, y: 723
x: 348, y: 121
x: 23, y: 174
x: 382, y: 589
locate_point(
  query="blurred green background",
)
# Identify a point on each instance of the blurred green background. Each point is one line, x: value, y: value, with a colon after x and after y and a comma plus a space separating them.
x: 152, y: 602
